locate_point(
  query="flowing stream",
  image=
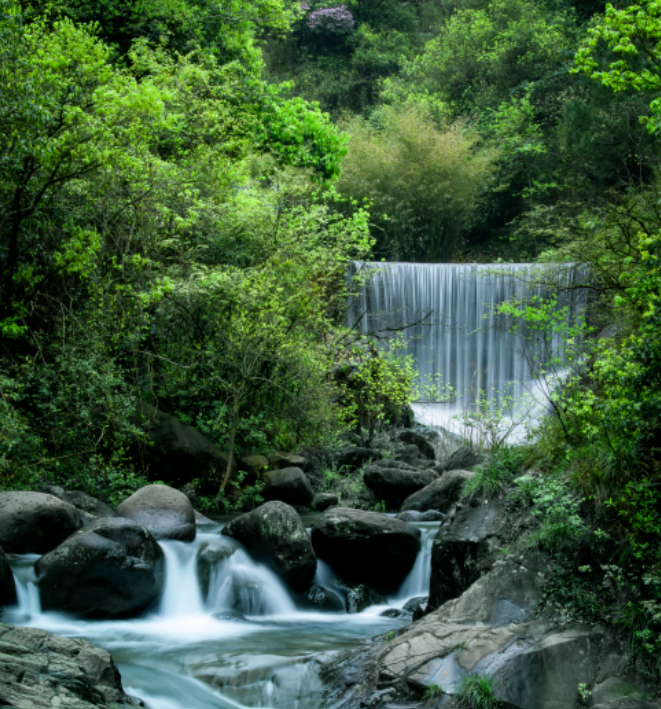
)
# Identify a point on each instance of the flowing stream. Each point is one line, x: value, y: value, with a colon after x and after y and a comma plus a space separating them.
x: 248, y: 644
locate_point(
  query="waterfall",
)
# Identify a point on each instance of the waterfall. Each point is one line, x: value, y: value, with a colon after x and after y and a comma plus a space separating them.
x: 419, y: 578
x: 181, y: 591
x: 446, y: 313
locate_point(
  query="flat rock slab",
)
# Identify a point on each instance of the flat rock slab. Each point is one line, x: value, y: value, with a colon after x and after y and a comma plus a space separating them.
x: 42, y: 671
x: 35, y: 523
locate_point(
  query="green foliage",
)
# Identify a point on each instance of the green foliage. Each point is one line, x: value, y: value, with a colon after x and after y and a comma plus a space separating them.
x: 424, y: 184
x: 494, y: 476
x: 476, y: 692
x: 432, y: 691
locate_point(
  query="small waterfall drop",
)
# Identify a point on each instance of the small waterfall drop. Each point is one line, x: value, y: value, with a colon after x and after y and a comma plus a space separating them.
x: 181, y: 591
x: 418, y: 580
x: 447, y: 315
x: 27, y: 590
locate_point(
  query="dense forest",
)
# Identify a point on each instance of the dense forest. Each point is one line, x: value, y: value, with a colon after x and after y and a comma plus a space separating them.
x: 184, y: 183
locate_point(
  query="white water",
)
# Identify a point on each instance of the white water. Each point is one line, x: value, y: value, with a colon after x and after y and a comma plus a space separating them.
x: 460, y: 344
x: 418, y: 580
x: 179, y: 656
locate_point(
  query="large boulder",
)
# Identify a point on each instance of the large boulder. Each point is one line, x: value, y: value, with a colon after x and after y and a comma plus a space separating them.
x: 393, y: 481
x: 35, y: 523
x: 42, y: 671
x: 275, y: 535
x: 112, y: 568
x: 354, y: 457
x: 464, y: 549
x: 366, y: 547
x: 179, y: 453
x: 289, y: 485
x: 164, y: 511
x: 464, y: 458
x: 424, y: 446
x: 281, y: 460
x: 440, y: 494
x: 82, y: 501
x: 7, y: 584
x: 323, y: 500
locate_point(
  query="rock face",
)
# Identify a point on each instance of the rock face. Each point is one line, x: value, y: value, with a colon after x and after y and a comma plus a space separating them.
x: 162, y: 510
x: 366, y: 547
x: 177, y: 452
x: 289, y: 485
x: 439, y: 495
x: 41, y: 671
x: 323, y: 500
x: 463, y: 550
x: 209, y: 555
x: 353, y: 458
x: 424, y: 446
x: 35, y: 523
x: 393, y: 481
x: 464, y: 458
x: 275, y: 535
x: 7, y: 584
x: 490, y: 630
x: 81, y: 501
x: 415, y: 516
x: 111, y: 568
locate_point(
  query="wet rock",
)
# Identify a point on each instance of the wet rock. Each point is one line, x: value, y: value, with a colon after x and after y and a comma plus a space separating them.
x: 111, y: 568
x: 202, y: 519
x: 411, y: 455
x: 355, y: 457
x: 42, y: 671
x: 230, y: 616
x: 165, y: 512
x: 415, y: 516
x: 323, y: 500
x: 81, y: 501
x: 393, y: 481
x: 179, y: 453
x: 35, y: 523
x: 423, y: 445
x: 439, y: 495
x: 464, y: 458
x: 464, y: 549
x: 413, y: 603
x: 209, y: 556
x: 324, y: 599
x: 289, y: 485
x: 274, y: 534
x: 7, y: 584
x: 366, y: 547
x: 288, y: 460
x: 395, y: 613
x: 359, y: 596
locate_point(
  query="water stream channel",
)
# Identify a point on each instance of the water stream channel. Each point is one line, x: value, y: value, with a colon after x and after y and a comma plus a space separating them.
x: 248, y: 644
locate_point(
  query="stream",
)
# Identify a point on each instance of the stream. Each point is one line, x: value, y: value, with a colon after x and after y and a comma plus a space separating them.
x: 246, y: 645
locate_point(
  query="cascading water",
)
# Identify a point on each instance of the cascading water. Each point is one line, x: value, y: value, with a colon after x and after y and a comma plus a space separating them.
x: 188, y: 653
x: 447, y: 314
x: 417, y: 582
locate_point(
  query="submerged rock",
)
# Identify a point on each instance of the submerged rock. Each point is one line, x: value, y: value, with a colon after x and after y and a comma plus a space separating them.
x: 41, y: 671
x: 7, y: 584
x: 165, y: 512
x: 289, y: 485
x: 366, y: 547
x: 34, y: 522
x: 274, y: 534
x: 439, y: 495
x: 111, y: 568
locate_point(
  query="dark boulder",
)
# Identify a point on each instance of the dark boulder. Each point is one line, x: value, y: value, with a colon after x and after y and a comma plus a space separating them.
x: 179, y: 453
x: 81, y: 501
x: 424, y: 446
x: 415, y: 516
x: 464, y: 549
x: 359, y: 596
x: 410, y: 454
x: 209, y: 556
x: 324, y: 599
x: 393, y: 482
x: 323, y: 500
x: 281, y: 460
x: 111, y: 568
x: 165, y: 512
x: 289, y: 485
x: 412, y: 604
x: 254, y: 465
x: 356, y: 456
x: 274, y: 534
x: 366, y: 547
x: 439, y: 495
x: 35, y: 523
x: 7, y: 584
x: 464, y: 458
x: 42, y: 671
